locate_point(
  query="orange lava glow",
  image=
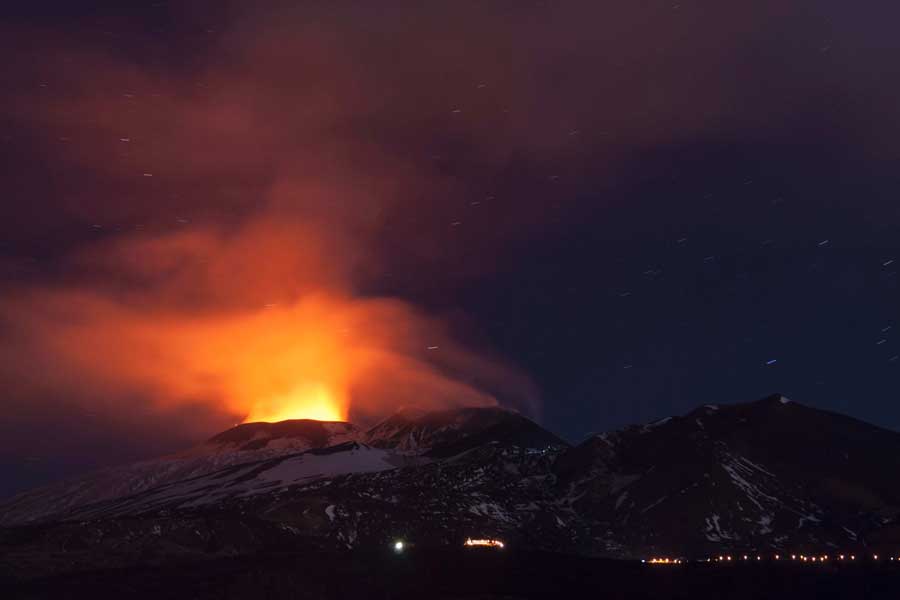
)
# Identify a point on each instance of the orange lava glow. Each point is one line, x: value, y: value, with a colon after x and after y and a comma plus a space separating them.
x: 302, y: 361
x: 252, y: 326
x: 306, y: 401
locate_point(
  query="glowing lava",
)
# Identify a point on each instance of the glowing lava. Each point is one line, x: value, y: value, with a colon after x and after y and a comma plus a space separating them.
x: 252, y: 324
x: 308, y: 401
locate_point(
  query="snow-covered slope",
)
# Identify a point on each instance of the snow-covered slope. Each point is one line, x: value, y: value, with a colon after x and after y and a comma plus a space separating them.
x: 766, y: 475
x: 449, y: 432
x: 406, y: 433
x: 244, y: 443
x: 245, y: 480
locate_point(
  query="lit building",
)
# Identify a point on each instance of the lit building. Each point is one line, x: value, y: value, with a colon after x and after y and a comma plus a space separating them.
x: 487, y: 543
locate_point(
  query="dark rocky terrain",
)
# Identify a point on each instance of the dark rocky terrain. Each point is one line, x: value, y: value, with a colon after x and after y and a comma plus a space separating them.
x: 766, y: 477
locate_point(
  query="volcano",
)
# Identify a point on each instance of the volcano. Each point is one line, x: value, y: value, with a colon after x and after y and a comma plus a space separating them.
x: 400, y: 438
x: 763, y: 477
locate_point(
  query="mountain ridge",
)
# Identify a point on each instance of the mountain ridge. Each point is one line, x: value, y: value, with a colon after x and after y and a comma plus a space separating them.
x: 246, y: 443
x: 764, y: 476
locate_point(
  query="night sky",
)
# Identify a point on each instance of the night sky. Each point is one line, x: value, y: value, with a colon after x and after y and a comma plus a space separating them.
x: 611, y: 212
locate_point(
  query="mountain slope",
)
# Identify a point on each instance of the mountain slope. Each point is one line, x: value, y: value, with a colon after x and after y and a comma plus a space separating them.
x: 434, y: 435
x: 241, y: 444
x: 242, y: 481
x: 766, y: 476
x: 447, y: 433
x: 771, y: 474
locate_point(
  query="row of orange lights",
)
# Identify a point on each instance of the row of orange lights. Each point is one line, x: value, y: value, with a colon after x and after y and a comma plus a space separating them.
x: 800, y: 557
x: 759, y: 557
x: 664, y: 561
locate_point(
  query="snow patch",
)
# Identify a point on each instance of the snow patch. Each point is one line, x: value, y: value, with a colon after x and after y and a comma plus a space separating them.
x: 803, y: 519
x: 490, y: 510
x: 714, y: 532
x: 359, y: 460
x: 662, y: 421
x: 756, y: 466
x: 740, y: 470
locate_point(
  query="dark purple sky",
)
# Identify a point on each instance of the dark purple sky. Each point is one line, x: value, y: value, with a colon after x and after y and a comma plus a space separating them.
x: 641, y: 207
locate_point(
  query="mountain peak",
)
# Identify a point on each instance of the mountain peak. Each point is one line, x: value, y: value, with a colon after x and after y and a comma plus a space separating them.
x: 457, y: 429
x: 291, y: 435
x: 774, y: 399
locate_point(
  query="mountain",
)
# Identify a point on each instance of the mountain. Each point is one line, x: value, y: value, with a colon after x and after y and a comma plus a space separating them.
x: 762, y: 476
x: 765, y: 476
x: 241, y: 444
x: 406, y: 434
x: 466, y: 469
x: 447, y: 433
x: 277, y: 438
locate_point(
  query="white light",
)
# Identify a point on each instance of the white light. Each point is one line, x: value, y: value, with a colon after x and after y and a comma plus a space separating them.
x: 398, y: 546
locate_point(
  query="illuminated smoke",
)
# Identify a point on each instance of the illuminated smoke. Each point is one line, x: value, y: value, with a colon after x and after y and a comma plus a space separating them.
x: 255, y: 321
